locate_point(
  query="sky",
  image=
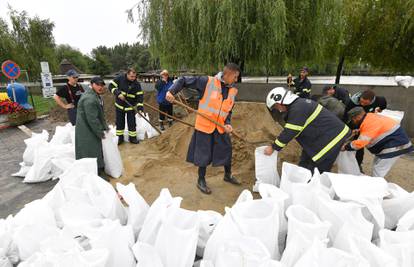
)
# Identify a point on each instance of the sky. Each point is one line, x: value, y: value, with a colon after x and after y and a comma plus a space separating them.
x: 82, y: 24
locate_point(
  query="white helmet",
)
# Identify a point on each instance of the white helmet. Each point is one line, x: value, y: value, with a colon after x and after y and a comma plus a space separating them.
x: 280, y: 95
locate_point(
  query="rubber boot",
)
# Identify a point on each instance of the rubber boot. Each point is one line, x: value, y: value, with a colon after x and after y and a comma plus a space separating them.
x: 170, y: 123
x: 202, y: 185
x: 133, y: 140
x: 231, y: 179
x: 120, y: 139
x: 162, y: 126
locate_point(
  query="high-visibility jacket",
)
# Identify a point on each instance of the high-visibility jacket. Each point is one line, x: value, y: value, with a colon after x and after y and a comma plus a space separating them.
x: 383, y: 137
x: 131, y: 90
x: 213, y: 106
x: 316, y: 129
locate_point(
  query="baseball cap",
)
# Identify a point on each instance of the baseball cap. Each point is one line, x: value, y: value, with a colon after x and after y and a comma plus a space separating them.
x: 97, y: 80
x: 72, y: 73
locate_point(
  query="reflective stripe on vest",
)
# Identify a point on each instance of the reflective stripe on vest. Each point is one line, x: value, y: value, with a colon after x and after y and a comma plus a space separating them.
x: 313, y: 116
x: 331, y: 144
x: 123, y: 108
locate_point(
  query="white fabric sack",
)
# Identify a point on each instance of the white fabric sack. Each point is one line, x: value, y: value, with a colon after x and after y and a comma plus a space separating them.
x: 347, y: 163
x: 404, y: 81
x: 79, y: 167
x: 241, y: 251
x: 31, y: 144
x: 176, y: 241
x: 35, y: 212
x: 137, y: 206
x: 395, y: 208
x: 9, y: 253
x: 292, y: 174
x: 141, y: 129
x: 393, y: 114
x: 304, y: 221
x: 395, y: 191
x: 146, y: 255
x: 265, y: 168
x: 208, y: 221
x: 156, y: 213
x: 62, y: 135
x: 151, y: 132
x: 320, y: 256
x: 23, y: 170
x: 244, y: 196
x: 406, y: 223
x: 74, y: 213
x: 400, y: 245
x: 60, y: 165
x: 112, y: 156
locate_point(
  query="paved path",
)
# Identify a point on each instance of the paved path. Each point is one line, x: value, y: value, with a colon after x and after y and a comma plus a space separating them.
x: 14, y: 194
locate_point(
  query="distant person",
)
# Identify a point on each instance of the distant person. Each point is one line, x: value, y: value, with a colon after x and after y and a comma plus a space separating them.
x: 371, y: 103
x: 126, y: 88
x: 162, y: 87
x: 211, y: 144
x: 338, y: 92
x: 71, y: 92
x: 319, y: 132
x: 303, y: 86
x: 91, y: 125
x: 383, y: 137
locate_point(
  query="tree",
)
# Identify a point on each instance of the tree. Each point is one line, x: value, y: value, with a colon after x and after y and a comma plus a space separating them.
x: 100, y: 64
x: 75, y: 56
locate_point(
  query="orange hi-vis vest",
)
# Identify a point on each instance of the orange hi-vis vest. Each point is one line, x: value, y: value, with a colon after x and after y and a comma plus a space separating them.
x: 214, y: 107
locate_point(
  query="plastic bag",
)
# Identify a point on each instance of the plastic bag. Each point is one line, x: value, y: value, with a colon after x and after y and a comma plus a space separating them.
x: 23, y: 170
x: 151, y: 132
x: 141, y: 129
x: 347, y: 163
x: 146, y: 255
x: 292, y: 174
x: 137, y: 206
x: 297, y: 246
x: 395, y: 208
x: 9, y: 253
x: 208, y: 221
x: 393, y: 114
x: 176, y: 241
x: 62, y: 135
x: 31, y: 144
x: 156, y: 213
x: 400, y: 245
x: 403, y: 80
x: 406, y: 222
x: 265, y: 168
x: 112, y: 157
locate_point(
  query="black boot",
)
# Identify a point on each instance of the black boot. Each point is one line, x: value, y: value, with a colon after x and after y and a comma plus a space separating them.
x: 120, y: 139
x: 202, y: 185
x: 170, y: 123
x: 231, y: 179
x: 133, y: 140
x: 162, y: 126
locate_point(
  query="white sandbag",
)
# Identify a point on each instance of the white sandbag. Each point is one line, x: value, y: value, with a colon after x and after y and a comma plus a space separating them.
x: 62, y: 135
x: 79, y: 167
x: 241, y: 251
x: 137, y: 206
x: 320, y: 256
x: 176, y: 241
x: 146, y: 255
x: 35, y: 212
x: 9, y: 253
x: 406, y: 222
x: 156, y: 213
x: 400, y: 245
x: 256, y: 218
x: 304, y: 221
x: 75, y: 213
x: 347, y: 163
x: 112, y: 157
x: 151, y: 132
x: 296, y: 247
x: 292, y: 174
x: 375, y: 256
x: 393, y: 114
x: 404, y: 81
x: 244, y: 196
x: 265, y: 168
x: 31, y: 144
x: 141, y: 129
x: 23, y: 170
x: 60, y: 165
x: 395, y: 191
x: 208, y: 221
x: 395, y: 208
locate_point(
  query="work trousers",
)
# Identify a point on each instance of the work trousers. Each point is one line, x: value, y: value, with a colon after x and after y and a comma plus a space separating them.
x: 381, y: 167
x: 120, y: 122
x: 167, y: 109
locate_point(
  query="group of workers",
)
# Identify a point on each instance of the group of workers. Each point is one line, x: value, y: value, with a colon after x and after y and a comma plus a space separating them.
x: 323, y: 127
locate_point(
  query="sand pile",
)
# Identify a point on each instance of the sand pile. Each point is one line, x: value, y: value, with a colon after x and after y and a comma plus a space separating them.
x: 160, y: 162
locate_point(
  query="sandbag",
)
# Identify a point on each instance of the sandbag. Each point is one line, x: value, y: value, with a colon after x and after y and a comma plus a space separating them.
x: 176, y: 241
x: 23, y: 170
x: 9, y: 253
x: 244, y: 196
x: 265, y: 168
x: 400, y: 245
x: 156, y: 213
x: 406, y: 222
x: 208, y: 221
x: 62, y: 135
x: 35, y: 212
x: 141, y: 129
x: 347, y: 163
x: 112, y: 157
x: 395, y: 208
x: 404, y: 81
x: 79, y: 167
x: 137, y: 206
x: 292, y: 174
x: 146, y: 255
x: 150, y: 131
x: 31, y: 144
x: 393, y: 114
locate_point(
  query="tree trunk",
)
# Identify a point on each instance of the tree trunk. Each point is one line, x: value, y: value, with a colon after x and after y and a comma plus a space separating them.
x: 339, y: 69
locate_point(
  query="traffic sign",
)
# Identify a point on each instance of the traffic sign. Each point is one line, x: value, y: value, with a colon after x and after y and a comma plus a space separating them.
x: 10, y: 69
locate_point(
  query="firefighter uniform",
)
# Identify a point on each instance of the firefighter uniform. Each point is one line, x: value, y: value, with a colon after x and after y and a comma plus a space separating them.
x: 133, y: 93
x: 320, y: 133
x: 303, y: 87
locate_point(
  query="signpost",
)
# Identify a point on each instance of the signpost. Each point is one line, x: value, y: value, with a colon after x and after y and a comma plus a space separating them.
x: 12, y: 71
x: 47, y: 82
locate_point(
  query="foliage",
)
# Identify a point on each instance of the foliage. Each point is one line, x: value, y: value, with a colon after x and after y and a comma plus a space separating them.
x: 81, y: 61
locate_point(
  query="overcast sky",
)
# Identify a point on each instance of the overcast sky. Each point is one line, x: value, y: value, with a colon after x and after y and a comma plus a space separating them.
x: 82, y: 24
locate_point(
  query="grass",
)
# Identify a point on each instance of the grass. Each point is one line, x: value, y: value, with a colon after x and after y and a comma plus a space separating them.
x: 42, y: 105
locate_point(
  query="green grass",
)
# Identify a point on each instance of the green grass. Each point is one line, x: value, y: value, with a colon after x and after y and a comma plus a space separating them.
x: 42, y: 105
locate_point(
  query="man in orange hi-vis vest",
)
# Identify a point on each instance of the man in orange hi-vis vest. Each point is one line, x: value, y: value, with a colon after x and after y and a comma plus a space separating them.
x: 383, y: 137
x: 210, y: 143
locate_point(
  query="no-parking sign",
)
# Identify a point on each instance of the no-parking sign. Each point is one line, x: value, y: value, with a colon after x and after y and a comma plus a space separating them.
x: 10, y: 69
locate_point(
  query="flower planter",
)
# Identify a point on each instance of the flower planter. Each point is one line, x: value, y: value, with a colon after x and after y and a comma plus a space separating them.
x: 4, y: 118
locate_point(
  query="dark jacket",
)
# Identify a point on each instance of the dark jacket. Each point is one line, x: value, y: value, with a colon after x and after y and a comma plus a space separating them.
x: 315, y: 128
x: 342, y: 95
x: 162, y: 89
x: 333, y: 105
x: 90, y: 127
x: 379, y: 101
x: 130, y: 89
x: 199, y: 83
x: 302, y: 87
